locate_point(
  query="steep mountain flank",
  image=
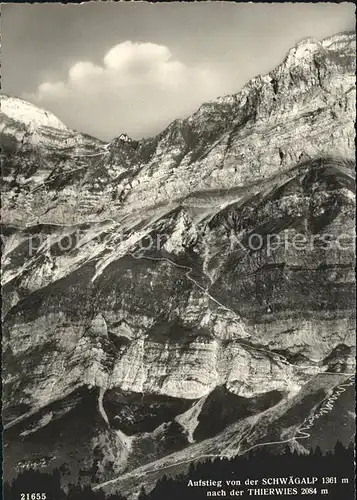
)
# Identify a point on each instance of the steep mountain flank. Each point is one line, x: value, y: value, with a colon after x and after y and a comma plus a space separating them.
x: 181, y: 296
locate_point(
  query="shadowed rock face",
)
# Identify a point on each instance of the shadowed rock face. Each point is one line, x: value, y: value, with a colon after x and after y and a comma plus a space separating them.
x: 223, y: 408
x: 206, y: 300
x: 135, y: 413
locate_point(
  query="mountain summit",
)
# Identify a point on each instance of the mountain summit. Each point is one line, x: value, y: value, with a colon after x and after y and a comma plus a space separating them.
x: 266, y: 128
x: 157, y: 308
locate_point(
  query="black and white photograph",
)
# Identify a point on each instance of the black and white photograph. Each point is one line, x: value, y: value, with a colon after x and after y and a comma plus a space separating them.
x: 178, y: 250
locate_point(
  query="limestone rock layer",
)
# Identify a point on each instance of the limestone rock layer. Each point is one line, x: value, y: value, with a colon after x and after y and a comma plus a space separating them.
x: 185, y: 294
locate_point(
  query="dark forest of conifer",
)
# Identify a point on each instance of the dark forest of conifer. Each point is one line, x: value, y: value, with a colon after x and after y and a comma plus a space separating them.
x: 255, y: 465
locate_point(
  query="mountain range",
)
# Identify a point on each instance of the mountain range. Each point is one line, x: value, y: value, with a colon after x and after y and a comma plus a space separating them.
x: 182, y: 296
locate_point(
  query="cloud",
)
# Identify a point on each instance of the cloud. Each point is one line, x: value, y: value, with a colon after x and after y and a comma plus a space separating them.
x: 138, y: 88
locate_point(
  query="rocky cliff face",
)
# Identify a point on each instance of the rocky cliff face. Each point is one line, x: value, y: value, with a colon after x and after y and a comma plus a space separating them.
x: 185, y: 295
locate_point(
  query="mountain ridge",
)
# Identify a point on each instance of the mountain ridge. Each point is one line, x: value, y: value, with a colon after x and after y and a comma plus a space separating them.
x: 134, y: 303
x: 213, y: 139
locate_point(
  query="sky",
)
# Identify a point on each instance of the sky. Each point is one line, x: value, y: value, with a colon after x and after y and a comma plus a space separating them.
x: 108, y: 68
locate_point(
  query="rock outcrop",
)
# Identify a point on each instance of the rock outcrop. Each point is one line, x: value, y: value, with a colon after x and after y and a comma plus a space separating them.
x: 207, y: 272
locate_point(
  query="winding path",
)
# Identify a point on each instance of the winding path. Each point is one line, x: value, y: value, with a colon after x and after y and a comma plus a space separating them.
x: 327, y: 405
x: 188, y: 270
x: 301, y: 432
